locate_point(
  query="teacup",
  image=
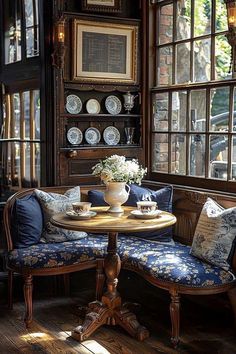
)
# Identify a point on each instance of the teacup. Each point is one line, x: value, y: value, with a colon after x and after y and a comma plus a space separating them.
x: 81, y: 207
x: 146, y: 206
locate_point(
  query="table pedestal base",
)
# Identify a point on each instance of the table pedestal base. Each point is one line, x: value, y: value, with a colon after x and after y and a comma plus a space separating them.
x: 110, y: 312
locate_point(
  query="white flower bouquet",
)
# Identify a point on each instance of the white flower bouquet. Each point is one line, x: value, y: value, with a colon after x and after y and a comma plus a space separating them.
x: 118, y: 169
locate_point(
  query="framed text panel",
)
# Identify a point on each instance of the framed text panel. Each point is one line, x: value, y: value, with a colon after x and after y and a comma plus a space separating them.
x: 105, y: 52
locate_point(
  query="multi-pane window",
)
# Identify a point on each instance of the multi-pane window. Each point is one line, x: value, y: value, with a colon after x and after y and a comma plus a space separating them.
x: 194, y: 98
x: 20, y: 139
x: 20, y: 29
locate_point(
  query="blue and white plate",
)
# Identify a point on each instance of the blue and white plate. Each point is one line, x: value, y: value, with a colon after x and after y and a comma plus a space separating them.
x: 92, y: 136
x: 73, y: 104
x: 74, y: 136
x: 111, y: 135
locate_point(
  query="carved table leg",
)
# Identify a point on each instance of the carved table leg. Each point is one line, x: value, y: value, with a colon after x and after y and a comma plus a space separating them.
x: 109, y: 310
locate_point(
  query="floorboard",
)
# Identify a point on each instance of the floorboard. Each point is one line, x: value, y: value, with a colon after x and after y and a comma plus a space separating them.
x: 206, y: 323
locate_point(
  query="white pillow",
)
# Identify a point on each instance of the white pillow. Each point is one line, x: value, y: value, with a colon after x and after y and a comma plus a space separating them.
x: 53, y: 203
x: 215, y: 234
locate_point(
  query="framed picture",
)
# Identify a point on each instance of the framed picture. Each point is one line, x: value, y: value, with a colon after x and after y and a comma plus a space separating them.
x: 105, y: 52
x: 102, y: 5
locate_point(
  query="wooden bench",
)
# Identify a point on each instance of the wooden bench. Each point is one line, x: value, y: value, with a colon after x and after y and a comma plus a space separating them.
x: 155, y: 267
x: 149, y: 259
x: 41, y: 260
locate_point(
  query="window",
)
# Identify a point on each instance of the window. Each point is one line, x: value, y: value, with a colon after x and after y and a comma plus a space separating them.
x: 21, y: 32
x: 20, y: 139
x: 194, y: 96
x: 20, y: 136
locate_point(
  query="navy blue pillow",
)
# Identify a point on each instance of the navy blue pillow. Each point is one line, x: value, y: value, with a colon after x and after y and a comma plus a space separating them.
x: 27, y: 222
x: 163, y: 197
x: 96, y: 198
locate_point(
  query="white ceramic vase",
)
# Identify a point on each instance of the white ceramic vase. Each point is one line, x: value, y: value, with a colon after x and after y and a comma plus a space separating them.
x: 115, y: 195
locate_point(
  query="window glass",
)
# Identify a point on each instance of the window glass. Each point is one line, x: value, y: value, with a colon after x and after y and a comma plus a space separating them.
x: 183, y: 19
x: 202, y: 60
x: 21, y: 159
x: 221, y: 16
x: 179, y: 110
x: 160, y: 153
x: 218, y: 156
x: 183, y: 63
x: 12, y: 30
x: 160, y: 111
x: 219, y: 119
x: 165, y: 66
x: 198, y: 110
x: 15, y: 127
x: 202, y: 17
x: 197, y: 155
x: 31, y: 23
x: 178, y: 154
x: 223, y: 58
x: 166, y: 24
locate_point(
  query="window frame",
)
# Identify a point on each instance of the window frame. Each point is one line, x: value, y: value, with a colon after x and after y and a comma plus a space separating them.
x: 208, y: 183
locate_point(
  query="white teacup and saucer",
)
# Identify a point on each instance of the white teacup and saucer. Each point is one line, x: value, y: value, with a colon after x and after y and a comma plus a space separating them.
x: 81, y: 211
x: 146, y: 209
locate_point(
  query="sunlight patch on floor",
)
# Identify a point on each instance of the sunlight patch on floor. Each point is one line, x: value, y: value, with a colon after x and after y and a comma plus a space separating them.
x: 95, y: 347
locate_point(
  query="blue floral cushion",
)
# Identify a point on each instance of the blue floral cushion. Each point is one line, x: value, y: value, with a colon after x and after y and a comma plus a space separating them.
x: 163, y: 197
x: 49, y: 255
x: 26, y: 222
x: 215, y: 234
x: 53, y: 203
x: 170, y: 263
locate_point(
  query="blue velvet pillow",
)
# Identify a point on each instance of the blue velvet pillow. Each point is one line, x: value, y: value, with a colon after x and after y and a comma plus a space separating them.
x: 96, y: 198
x: 163, y: 197
x: 27, y: 222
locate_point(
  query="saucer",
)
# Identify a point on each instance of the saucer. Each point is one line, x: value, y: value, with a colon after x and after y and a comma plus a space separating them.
x: 151, y: 215
x: 82, y: 216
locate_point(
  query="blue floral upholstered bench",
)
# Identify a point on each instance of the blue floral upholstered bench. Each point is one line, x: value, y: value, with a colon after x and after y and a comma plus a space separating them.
x: 204, y: 261
x: 173, y: 266
x: 35, y: 250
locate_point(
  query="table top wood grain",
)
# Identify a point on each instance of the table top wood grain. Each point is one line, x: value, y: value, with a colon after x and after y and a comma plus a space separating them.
x: 110, y: 222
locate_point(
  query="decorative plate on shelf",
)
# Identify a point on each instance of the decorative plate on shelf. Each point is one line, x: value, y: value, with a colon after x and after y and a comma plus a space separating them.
x: 92, y: 136
x: 113, y: 104
x: 111, y: 135
x: 74, y: 136
x: 93, y: 106
x: 73, y: 104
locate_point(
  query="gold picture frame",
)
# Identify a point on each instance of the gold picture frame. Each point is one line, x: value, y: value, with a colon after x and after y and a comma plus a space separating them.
x: 102, y: 5
x: 105, y: 52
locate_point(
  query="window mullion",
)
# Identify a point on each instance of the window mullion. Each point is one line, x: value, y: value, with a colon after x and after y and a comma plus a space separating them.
x: 188, y: 134
x: 230, y: 137
x: 207, y: 136
x: 32, y: 137
x: 22, y: 136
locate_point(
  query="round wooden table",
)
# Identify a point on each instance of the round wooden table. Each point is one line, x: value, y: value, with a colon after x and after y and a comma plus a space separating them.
x: 110, y: 309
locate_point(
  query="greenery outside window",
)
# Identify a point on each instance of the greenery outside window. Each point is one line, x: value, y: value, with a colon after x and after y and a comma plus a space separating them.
x: 193, y: 98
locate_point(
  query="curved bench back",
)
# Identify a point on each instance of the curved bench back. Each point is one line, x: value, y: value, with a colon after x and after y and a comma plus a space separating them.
x: 7, y: 212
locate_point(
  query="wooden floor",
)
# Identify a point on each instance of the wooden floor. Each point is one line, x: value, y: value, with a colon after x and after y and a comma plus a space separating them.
x: 206, y: 322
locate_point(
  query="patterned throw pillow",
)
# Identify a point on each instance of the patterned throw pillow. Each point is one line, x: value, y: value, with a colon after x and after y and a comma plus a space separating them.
x: 53, y: 203
x: 215, y: 234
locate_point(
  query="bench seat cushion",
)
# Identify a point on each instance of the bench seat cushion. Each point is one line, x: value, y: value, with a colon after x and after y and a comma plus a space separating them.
x: 50, y: 255
x: 171, y: 263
